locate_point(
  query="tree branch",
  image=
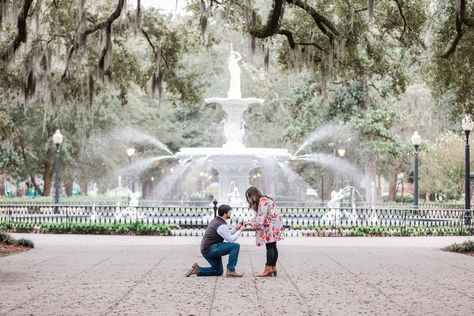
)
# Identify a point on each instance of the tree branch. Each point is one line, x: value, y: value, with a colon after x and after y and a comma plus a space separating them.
x: 404, y: 19
x: 289, y: 36
x: 326, y: 26
x: 112, y: 17
x: 292, y: 43
x: 455, y: 41
x: 148, y: 39
x: 102, y: 25
x: 271, y: 27
x: 461, y: 19
x: 461, y: 7
x: 22, y: 32
x: 153, y: 47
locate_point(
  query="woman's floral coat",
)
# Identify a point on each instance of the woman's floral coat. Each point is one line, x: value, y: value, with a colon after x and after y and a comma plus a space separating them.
x: 267, y: 222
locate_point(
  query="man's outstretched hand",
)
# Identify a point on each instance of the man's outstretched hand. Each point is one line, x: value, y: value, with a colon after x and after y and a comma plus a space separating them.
x: 240, y: 226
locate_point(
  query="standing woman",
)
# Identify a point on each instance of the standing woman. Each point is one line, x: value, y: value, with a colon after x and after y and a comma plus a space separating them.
x: 268, y: 227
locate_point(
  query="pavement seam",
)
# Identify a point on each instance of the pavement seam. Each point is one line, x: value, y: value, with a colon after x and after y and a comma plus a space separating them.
x: 446, y: 263
x: 256, y: 288
x: 68, y: 280
x: 422, y: 275
x: 213, y: 296
x: 407, y: 312
x: 297, y: 290
x: 135, y: 285
x: 34, y: 264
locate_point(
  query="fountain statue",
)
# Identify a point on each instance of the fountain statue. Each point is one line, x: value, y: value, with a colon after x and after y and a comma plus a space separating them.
x: 336, y: 212
x: 234, y: 196
x: 234, y: 70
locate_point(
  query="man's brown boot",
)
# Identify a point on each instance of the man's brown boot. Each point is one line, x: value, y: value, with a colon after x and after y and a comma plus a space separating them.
x: 268, y: 272
x: 232, y: 274
x: 194, y: 270
x: 274, y: 268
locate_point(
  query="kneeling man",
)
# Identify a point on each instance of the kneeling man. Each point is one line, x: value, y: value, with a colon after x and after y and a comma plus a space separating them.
x: 219, y: 241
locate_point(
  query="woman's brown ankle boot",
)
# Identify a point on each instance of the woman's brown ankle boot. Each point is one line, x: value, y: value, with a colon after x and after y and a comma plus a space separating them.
x: 274, y: 269
x: 268, y: 272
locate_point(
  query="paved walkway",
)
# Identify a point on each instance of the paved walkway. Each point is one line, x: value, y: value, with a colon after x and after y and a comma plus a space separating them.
x: 124, y: 275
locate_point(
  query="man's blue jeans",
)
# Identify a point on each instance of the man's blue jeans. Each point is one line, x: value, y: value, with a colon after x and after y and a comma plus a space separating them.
x: 214, y: 257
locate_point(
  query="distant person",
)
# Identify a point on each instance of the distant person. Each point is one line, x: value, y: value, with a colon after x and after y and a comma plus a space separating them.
x: 268, y: 227
x: 219, y: 241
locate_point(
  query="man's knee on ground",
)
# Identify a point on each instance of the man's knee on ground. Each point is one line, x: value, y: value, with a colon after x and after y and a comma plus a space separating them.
x: 236, y: 245
x: 220, y: 271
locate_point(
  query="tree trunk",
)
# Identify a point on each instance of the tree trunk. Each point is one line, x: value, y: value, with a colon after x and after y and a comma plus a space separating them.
x: 370, y: 169
x: 392, y: 190
x: 146, y: 190
x: 2, y: 186
x: 48, y: 171
x: 83, y: 186
x: 33, y: 181
x: 101, y: 188
x: 379, y: 187
x: 68, y: 187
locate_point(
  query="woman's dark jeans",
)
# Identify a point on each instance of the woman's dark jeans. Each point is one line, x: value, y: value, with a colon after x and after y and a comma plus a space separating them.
x: 272, y: 254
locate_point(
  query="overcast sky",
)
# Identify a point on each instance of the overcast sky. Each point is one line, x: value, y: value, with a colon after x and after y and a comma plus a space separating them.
x: 167, y: 5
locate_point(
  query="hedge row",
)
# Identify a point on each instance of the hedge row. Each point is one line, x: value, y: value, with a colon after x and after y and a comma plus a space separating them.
x: 90, y: 228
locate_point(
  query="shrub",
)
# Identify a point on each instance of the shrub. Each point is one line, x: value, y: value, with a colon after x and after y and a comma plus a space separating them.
x: 107, y: 229
x: 467, y: 246
x: 23, y: 227
x: 25, y: 243
x: 9, y: 240
x: 6, y: 238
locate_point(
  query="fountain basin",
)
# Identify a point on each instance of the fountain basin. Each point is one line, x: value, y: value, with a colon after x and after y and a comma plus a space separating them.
x: 234, y: 164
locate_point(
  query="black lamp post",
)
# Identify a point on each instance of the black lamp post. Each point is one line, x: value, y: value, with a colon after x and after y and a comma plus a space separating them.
x: 416, y: 141
x: 57, y: 140
x: 467, y: 126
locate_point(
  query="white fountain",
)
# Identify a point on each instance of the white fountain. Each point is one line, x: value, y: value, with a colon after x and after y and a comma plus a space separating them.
x: 336, y: 213
x: 233, y: 161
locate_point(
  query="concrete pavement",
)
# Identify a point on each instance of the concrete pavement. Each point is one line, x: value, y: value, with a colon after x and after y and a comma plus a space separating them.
x: 137, y: 275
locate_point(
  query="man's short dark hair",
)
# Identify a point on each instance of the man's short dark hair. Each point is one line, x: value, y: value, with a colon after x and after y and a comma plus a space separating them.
x: 224, y: 208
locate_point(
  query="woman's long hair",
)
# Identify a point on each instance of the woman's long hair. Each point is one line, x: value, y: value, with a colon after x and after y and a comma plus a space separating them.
x: 253, y: 196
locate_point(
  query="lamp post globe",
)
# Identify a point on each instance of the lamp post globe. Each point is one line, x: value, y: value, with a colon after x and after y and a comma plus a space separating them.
x: 57, y: 140
x: 58, y: 137
x: 341, y: 151
x: 130, y: 152
x: 416, y: 141
x: 467, y: 126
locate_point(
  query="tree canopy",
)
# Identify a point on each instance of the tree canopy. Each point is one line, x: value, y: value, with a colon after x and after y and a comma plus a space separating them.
x: 92, y: 67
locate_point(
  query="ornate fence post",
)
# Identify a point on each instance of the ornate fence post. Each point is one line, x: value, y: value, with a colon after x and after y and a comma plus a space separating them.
x: 215, y: 207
